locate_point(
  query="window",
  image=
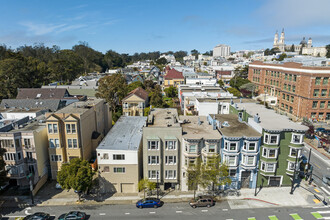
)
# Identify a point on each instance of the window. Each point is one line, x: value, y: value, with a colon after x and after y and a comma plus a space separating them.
x: 324, y: 92
x: 6, y: 143
x: 264, y: 152
x: 170, y: 174
x: 27, y: 143
x: 69, y: 143
x: 55, y: 128
x: 292, y: 99
x: 153, y: 160
x: 252, y: 146
x: 316, y: 92
x: 291, y: 166
x: 231, y: 160
x: 294, y: 152
x: 68, y: 128
x: 105, y: 156
x: 56, y: 158
x: 293, y: 88
x: 317, y: 80
x: 263, y: 166
x: 287, y: 97
x: 313, y: 114
x: 153, y: 145
x: 232, y: 173
x: 192, y: 148
x: 284, y: 87
x: 170, y: 160
x: 286, y: 76
x: 119, y: 157
x: 325, y: 80
x: 271, y: 139
x: 106, y: 169
x: 74, y: 141
x: 321, y: 115
x: 29, y: 155
x: 294, y: 78
x: 51, y: 143
x: 322, y: 104
x: 57, y: 143
x: 283, y: 96
x: 290, y: 77
x: 119, y: 170
x: 250, y: 160
x: 272, y: 153
x: 211, y: 148
x: 289, y: 87
x: 314, y: 104
x: 73, y: 128
x: 50, y: 128
x: 10, y: 156
x: 153, y: 174
x: 270, y: 167
x: 233, y: 146
x: 328, y: 104
x: 170, y: 145
x: 31, y: 169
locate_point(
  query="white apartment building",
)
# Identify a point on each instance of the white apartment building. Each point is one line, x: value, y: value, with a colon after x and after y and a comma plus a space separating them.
x: 221, y: 50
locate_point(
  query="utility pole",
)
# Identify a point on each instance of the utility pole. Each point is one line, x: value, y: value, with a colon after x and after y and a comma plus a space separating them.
x: 294, y: 173
x: 255, y: 190
x: 157, y: 185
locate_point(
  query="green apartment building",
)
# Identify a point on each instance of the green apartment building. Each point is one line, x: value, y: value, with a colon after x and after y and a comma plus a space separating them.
x: 282, y: 142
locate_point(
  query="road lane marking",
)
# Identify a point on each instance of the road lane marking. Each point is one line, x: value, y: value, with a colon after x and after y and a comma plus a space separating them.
x: 224, y: 209
x: 102, y: 213
x: 178, y: 211
x: 324, y: 189
x: 252, y: 218
x: 324, y: 212
x: 317, y: 215
x: 316, y: 201
x: 127, y: 213
x: 316, y: 190
x: 205, y: 210
x: 317, y: 165
x: 295, y: 216
x: 152, y: 212
x: 272, y: 217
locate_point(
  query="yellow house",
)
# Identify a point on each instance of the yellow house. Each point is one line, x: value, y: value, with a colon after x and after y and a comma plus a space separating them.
x: 135, y: 102
x: 173, y: 78
x: 76, y: 130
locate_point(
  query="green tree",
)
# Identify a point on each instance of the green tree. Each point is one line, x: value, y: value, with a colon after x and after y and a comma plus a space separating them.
x: 113, y: 89
x: 146, y: 111
x: 234, y: 91
x: 221, y: 83
x: 76, y: 175
x: 282, y: 56
x: 237, y: 82
x: 328, y: 51
x: 145, y: 184
x: 113, y: 59
x: 171, y: 92
x: 149, y: 85
x: 197, y: 176
x: 156, y: 98
x: 3, y: 173
x: 251, y: 87
x: 161, y: 61
x: 292, y: 48
x: 134, y: 85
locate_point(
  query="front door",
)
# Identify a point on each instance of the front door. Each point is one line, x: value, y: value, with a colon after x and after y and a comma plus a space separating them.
x: 275, y: 181
x: 245, y: 179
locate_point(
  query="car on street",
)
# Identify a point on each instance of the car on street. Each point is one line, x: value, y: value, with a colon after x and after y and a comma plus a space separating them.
x: 73, y: 215
x: 38, y: 216
x: 202, y: 201
x: 149, y: 203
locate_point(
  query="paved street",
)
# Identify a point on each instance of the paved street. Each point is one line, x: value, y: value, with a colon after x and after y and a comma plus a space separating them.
x: 184, y: 211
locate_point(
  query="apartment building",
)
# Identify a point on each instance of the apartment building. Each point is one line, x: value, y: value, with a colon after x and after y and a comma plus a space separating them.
x: 301, y: 90
x: 135, y: 102
x: 119, y: 155
x: 199, y: 140
x: 161, y: 148
x: 282, y: 141
x: 76, y: 130
x: 240, y: 146
x: 26, y: 144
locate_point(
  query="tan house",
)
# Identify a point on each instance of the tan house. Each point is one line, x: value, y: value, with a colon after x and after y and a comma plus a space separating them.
x: 135, y: 102
x: 173, y: 78
x: 76, y: 130
x: 119, y: 156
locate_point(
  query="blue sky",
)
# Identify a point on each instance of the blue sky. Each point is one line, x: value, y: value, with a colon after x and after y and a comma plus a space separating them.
x: 129, y: 26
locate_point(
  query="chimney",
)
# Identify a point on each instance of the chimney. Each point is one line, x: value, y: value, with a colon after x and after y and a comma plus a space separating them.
x: 257, y: 118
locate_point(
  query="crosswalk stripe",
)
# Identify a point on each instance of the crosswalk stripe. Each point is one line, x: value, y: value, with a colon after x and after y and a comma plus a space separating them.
x: 295, y: 216
x: 272, y: 217
x: 317, y: 215
x: 316, y: 190
x: 252, y: 218
x: 324, y: 212
x: 316, y: 201
x: 326, y: 191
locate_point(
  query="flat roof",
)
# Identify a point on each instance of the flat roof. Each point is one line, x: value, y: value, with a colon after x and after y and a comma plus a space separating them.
x: 35, y: 124
x: 192, y: 130
x: 126, y: 134
x: 269, y: 119
x: 225, y: 99
x: 79, y: 107
x: 235, y: 128
x: 162, y: 117
x: 19, y: 110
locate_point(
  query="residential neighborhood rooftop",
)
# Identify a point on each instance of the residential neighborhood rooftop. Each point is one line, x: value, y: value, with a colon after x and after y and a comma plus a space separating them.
x: 126, y: 134
x: 235, y: 128
x: 80, y: 107
x: 197, y: 127
x: 164, y: 117
x: 269, y: 119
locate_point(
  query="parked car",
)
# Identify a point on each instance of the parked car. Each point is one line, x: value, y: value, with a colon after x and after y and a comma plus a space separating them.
x: 73, y: 215
x: 202, y: 201
x: 38, y: 216
x: 149, y: 203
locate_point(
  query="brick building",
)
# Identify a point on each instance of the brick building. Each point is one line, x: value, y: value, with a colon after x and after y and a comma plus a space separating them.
x: 302, y: 91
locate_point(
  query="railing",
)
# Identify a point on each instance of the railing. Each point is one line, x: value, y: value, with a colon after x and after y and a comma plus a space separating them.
x: 29, y: 147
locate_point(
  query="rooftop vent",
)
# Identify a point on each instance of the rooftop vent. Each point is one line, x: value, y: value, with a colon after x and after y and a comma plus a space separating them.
x: 225, y: 124
x: 257, y: 118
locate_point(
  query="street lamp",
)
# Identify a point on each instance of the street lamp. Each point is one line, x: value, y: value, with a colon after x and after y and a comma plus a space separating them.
x: 294, y: 172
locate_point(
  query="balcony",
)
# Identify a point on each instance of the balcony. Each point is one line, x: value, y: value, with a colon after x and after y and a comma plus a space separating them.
x: 30, y: 160
x: 29, y: 147
x: 191, y: 154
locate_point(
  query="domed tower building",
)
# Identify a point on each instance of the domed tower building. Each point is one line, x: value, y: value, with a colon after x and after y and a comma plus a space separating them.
x: 281, y: 44
x: 309, y: 43
x: 275, y: 40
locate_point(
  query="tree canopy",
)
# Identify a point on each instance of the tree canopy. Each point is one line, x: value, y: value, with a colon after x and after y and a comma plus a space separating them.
x: 77, y: 175
x: 171, y: 92
x: 146, y: 184
x: 328, y: 51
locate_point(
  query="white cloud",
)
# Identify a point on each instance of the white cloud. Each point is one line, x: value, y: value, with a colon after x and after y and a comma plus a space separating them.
x: 295, y: 13
x: 42, y: 29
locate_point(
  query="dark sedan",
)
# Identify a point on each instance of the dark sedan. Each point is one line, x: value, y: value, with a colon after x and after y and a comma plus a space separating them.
x: 73, y: 215
x: 38, y: 216
x: 149, y: 203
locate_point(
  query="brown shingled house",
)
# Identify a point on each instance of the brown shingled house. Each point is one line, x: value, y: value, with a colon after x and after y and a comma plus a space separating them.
x: 135, y: 102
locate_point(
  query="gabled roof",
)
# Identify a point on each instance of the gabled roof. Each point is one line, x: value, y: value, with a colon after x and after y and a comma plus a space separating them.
x: 141, y: 93
x: 42, y: 93
x: 48, y: 104
x: 173, y: 74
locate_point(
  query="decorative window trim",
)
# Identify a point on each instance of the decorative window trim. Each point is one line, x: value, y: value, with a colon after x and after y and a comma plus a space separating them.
x: 150, y: 146
x: 264, y: 149
x: 167, y: 146
x: 227, y: 146
x: 299, y: 152
x: 265, y: 165
x: 296, y: 134
x: 227, y: 160
x: 267, y: 138
x: 150, y: 160
x: 245, y: 160
x: 288, y: 167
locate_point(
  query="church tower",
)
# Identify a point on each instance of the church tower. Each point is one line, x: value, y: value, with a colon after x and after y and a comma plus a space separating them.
x: 281, y: 43
x: 309, y: 44
x: 275, y: 40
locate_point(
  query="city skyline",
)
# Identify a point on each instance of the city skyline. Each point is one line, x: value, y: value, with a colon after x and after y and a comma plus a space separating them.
x: 145, y: 26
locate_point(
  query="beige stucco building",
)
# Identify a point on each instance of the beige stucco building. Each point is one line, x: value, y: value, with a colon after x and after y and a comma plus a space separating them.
x: 76, y: 130
x: 135, y: 102
x: 119, y: 156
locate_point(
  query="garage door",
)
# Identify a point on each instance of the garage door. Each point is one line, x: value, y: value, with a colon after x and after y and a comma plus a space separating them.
x: 127, y: 188
x: 275, y: 181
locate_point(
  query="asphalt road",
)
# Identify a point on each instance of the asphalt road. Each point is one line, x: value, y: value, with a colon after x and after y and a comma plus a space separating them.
x: 180, y: 211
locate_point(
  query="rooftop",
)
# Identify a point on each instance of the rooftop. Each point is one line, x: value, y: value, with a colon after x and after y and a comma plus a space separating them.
x: 193, y: 130
x: 224, y: 99
x: 269, y: 119
x: 126, y: 134
x: 235, y: 128
x: 141, y: 93
x: 292, y: 65
x: 48, y: 104
x: 80, y: 107
x: 41, y: 93
x: 164, y: 117
x: 174, y: 74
